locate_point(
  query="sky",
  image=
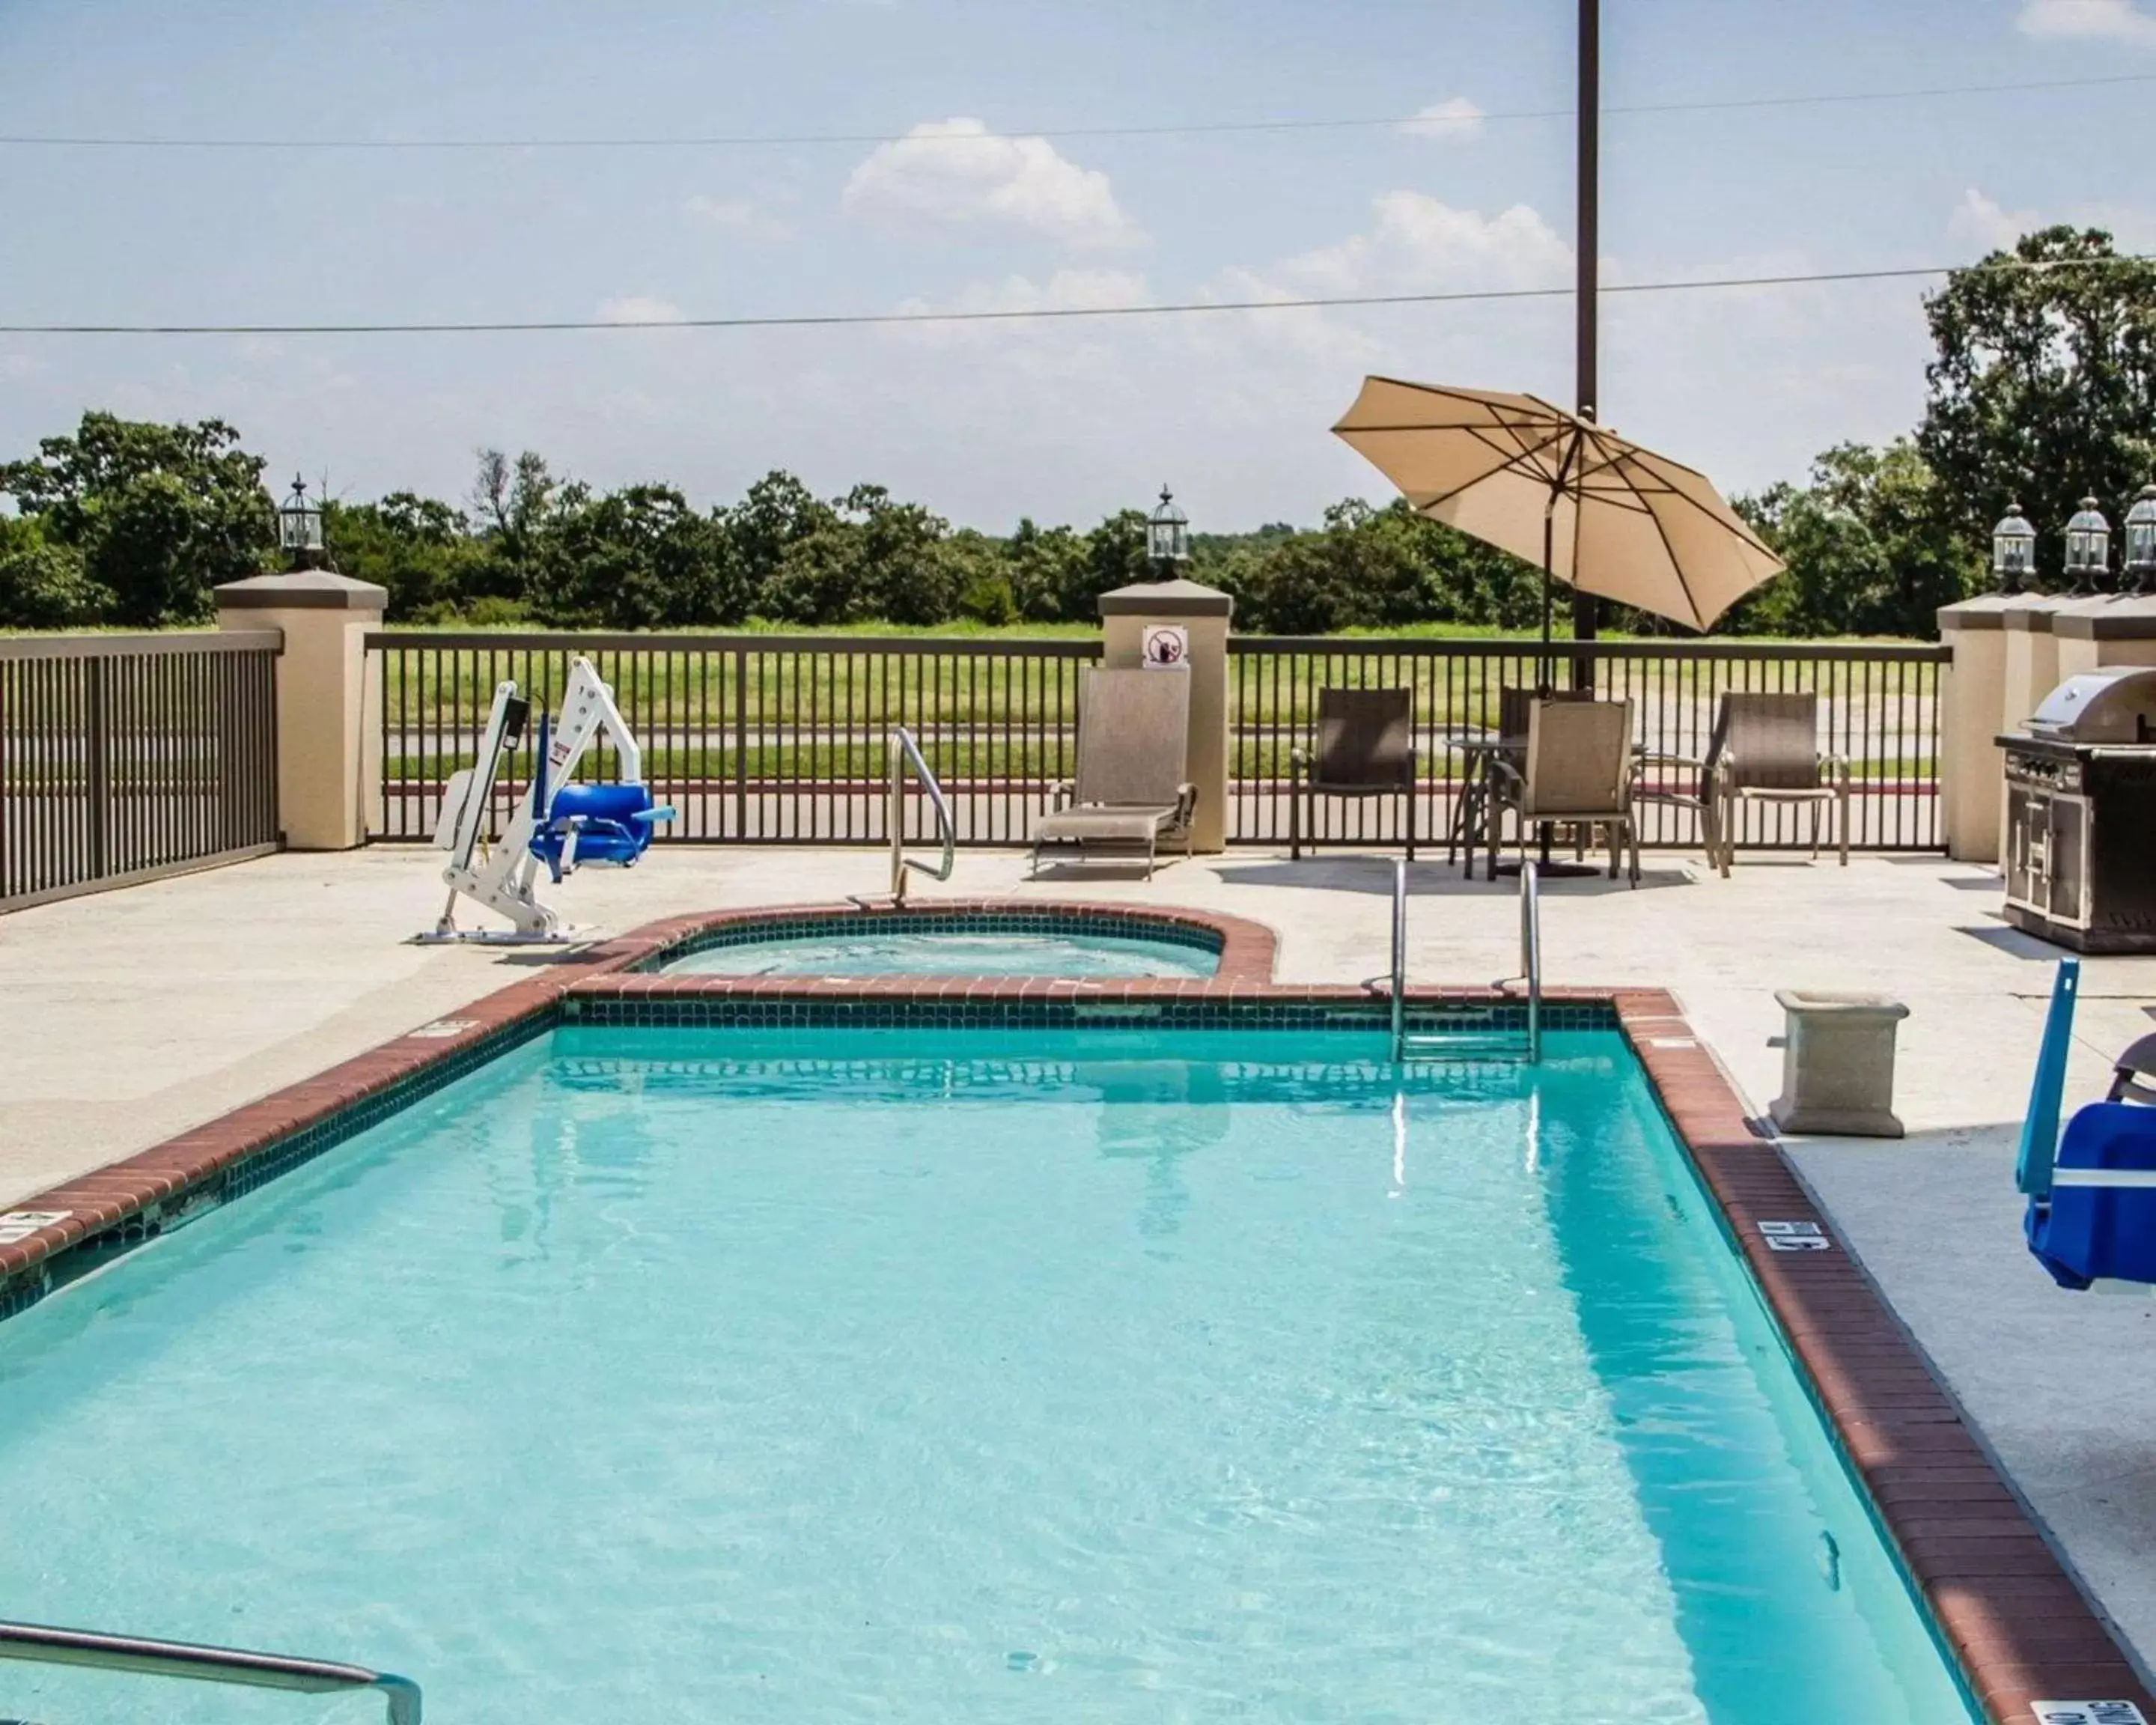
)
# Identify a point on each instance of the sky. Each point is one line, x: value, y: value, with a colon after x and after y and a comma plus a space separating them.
x: 965, y: 204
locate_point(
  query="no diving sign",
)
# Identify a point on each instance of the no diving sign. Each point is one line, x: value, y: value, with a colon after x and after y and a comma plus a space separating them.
x: 2087, y: 1712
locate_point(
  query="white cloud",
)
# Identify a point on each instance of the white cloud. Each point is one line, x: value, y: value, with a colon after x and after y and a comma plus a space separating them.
x: 1418, y: 243
x: 640, y: 308
x: 1981, y: 219
x: 954, y: 172
x: 1987, y: 223
x: 2089, y: 21
x: 737, y: 215
x: 1066, y: 290
x: 1455, y: 117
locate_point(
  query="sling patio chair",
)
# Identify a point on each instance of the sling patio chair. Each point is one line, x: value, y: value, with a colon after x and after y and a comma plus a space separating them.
x: 1133, y: 788
x: 1765, y: 748
x: 1365, y: 748
x: 1471, y: 812
x: 1577, y: 772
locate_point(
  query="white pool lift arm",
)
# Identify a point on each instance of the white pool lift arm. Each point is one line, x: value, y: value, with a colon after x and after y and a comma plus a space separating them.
x: 502, y: 881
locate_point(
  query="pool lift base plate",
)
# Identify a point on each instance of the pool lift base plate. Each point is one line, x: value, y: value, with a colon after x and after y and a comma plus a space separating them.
x: 506, y: 937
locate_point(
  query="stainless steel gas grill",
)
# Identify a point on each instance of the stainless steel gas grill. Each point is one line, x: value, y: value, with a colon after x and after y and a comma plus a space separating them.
x: 2080, y: 814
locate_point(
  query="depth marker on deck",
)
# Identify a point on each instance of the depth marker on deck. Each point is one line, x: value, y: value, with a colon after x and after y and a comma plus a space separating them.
x: 1800, y: 1237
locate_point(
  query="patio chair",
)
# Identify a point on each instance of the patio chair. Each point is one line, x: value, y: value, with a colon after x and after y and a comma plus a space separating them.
x: 1661, y: 779
x: 1471, y: 812
x: 1365, y: 748
x: 1131, y: 790
x: 1577, y: 772
x: 1765, y: 749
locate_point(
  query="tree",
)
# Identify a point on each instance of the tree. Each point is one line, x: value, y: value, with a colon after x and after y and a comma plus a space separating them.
x: 423, y: 550
x: 1044, y: 565
x: 42, y: 585
x: 513, y: 500
x: 1872, y: 545
x: 158, y: 515
x: 778, y: 512
x: 2044, y: 387
x: 1115, y: 557
x: 636, y: 559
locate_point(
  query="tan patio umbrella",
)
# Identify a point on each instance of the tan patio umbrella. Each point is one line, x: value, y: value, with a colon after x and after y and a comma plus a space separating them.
x: 1601, y: 513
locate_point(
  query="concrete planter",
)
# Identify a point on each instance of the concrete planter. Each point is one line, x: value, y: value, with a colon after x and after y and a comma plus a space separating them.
x: 1838, y: 1065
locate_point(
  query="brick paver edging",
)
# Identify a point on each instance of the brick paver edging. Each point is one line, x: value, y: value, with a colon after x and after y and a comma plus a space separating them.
x: 2018, y: 1625
x: 2020, y: 1629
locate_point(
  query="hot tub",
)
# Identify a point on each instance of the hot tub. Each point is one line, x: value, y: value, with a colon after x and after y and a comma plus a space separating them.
x: 1021, y: 942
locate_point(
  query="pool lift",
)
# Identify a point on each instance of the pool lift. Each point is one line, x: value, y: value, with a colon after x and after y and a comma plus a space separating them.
x: 562, y: 824
x: 2092, y: 1216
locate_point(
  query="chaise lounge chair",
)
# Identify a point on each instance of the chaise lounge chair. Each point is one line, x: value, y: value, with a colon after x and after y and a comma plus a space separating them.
x: 1132, y: 789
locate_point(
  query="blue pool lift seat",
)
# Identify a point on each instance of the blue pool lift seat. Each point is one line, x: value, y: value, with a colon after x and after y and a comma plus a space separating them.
x: 608, y: 824
x: 2099, y: 1221
x: 2092, y: 1213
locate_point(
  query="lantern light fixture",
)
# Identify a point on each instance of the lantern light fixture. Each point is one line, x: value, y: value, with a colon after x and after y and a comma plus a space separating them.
x: 2088, y: 550
x: 2014, y: 552
x: 2138, y: 576
x: 1167, y: 538
x: 299, y: 528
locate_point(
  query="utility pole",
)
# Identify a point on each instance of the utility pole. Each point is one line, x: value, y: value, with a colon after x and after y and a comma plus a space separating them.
x: 1588, y: 247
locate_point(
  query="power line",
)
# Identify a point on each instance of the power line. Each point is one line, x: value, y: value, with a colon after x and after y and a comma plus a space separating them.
x: 1050, y: 313
x: 1201, y: 128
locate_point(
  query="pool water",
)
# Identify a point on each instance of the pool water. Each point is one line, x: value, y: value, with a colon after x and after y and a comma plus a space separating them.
x: 952, y: 952
x: 961, y: 1377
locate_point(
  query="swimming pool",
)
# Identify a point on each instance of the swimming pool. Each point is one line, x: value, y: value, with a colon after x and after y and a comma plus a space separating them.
x: 964, y: 1375
x: 1015, y: 943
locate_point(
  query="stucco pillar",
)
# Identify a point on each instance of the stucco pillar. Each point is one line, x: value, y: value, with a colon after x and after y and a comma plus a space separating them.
x: 1204, y: 614
x: 2032, y: 671
x: 329, y: 700
x: 1972, y: 709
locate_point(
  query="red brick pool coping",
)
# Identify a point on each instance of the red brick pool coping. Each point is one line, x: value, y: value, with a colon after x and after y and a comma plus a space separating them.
x: 2019, y: 1626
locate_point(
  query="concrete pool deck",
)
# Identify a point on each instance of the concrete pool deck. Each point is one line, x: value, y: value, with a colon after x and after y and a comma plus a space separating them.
x: 134, y: 1015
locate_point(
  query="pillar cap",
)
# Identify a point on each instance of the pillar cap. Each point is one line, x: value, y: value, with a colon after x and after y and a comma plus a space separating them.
x: 1167, y: 598
x: 302, y: 590
x: 1986, y: 611
x: 2117, y: 617
x: 2031, y: 613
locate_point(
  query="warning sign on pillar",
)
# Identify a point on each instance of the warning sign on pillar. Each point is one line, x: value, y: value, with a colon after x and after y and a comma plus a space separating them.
x: 1165, y: 646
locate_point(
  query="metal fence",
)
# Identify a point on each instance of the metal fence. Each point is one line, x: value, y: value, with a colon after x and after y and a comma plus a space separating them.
x: 769, y: 739
x: 758, y: 739
x: 1878, y: 706
x: 123, y: 758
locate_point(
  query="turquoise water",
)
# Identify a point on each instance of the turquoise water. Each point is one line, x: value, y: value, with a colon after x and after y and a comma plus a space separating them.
x: 952, y: 952
x: 992, y: 1376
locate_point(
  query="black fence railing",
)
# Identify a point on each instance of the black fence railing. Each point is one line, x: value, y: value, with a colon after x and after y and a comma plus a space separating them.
x: 1878, y: 708
x: 757, y: 739
x: 771, y: 739
x: 126, y: 756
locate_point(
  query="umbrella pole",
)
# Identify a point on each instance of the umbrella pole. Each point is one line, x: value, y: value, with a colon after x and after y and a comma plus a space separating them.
x: 1549, y: 529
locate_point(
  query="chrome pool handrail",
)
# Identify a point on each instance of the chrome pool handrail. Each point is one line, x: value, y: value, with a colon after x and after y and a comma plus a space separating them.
x: 906, y: 753
x: 48, y: 1646
x: 1399, y: 960
x: 1530, y: 954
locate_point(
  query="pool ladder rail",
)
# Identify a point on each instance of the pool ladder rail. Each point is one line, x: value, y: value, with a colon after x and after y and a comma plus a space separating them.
x: 1469, y: 1045
x: 46, y: 1645
x: 905, y: 758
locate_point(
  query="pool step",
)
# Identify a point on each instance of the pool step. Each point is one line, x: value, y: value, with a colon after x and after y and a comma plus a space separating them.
x: 1465, y: 1045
